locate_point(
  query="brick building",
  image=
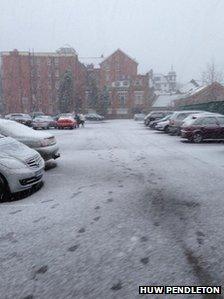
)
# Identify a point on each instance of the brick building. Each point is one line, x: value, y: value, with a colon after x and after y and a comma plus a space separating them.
x: 30, y: 81
x: 208, y: 98
x: 129, y: 92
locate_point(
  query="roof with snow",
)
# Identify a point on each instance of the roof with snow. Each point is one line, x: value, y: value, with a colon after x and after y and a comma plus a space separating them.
x: 191, y: 86
x: 166, y: 100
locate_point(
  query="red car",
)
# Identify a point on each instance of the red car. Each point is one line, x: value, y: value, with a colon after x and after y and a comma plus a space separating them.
x: 66, y: 122
x: 204, y: 127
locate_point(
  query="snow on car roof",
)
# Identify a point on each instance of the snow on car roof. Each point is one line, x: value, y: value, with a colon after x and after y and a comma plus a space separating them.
x: 14, y: 129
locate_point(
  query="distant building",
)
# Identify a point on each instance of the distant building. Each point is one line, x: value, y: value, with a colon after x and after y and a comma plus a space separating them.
x: 129, y: 92
x: 30, y: 80
x: 163, y: 83
x: 167, y: 100
x: 208, y: 98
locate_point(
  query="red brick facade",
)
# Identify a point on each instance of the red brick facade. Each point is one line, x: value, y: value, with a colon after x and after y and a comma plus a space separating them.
x: 30, y: 81
x: 211, y: 93
x: 129, y: 92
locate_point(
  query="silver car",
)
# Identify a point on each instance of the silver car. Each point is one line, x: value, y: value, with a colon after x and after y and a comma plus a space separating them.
x: 20, y: 166
x: 44, y: 122
x: 44, y: 143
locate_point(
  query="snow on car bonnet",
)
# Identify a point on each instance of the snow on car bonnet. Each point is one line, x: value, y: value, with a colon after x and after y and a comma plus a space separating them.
x: 14, y: 148
x: 14, y: 129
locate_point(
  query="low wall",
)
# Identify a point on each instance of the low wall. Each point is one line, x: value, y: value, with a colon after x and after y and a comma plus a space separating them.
x: 210, y: 106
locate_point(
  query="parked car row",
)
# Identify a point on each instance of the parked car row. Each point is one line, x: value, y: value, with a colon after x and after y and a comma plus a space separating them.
x: 193, y: 125
x: 23, y: 153
x: 38, y: 120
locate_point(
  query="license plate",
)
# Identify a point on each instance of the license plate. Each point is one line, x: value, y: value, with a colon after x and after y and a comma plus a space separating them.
x: 38, y: 173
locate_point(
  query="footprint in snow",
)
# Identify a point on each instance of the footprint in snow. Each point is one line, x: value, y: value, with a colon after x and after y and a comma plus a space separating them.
x: 47, y: 200
x: 40, y: 270
x: 39, y: 219
x: 143, y: 239
x: 81, y: 230
x: 144, y: 260
x: 75, y: 194
x: 28, y: 297
x: 15, y: 212
x: 97, y: 208
x: 96, y: 218
x: 116, y: 286
x: 109, y: 199
x: 73, y: 248
x: 54, y: 206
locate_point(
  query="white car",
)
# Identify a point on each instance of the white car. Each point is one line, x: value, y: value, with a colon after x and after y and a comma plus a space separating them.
x: 163, y: 126
x: 139, y: 116
x: 44, y: 143
x: 20, y: 167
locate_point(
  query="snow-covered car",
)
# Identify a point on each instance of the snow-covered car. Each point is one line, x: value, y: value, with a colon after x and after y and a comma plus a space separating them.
x: 94, y: 116
x: 177, y: 119
x: 37, y: 114
x: 139, y: 116
x: 192, y: 117
x: 153, y: 123
x: 20, y: 117
x: 154, y: 115
x: 163, y: 126
x: 20, y: 167
x: 44, y: 122
x: 66, y: 122
x: 44, y: 143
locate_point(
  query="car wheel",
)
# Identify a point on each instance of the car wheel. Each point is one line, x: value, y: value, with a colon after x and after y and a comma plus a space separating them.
x: 4, y: 192
x: 166, y: 129
x: 197, y: 138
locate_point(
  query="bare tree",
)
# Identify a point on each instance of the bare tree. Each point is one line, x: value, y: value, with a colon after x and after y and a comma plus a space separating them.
x: 211, y: 74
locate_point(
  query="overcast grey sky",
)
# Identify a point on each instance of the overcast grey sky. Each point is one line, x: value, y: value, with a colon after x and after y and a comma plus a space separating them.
x: 157, y: 33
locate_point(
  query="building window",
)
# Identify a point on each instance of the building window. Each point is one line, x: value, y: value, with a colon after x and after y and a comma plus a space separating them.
x: 38, y: 60
x: 57, y: 73
x: 107, y: 77
x: 57, y: 84
x: 48, y: 61
x: 122, y: 96
x: 139, y: 97
x: 56, y: 60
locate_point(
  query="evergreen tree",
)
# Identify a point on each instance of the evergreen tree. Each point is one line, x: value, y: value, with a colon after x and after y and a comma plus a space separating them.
x: 66, y: 92
x: 104, y: 102
x: 93, y: 94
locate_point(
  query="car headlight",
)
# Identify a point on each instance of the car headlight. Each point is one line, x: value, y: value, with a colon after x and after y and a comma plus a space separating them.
x: 12, y: 163
x: 44, y: 142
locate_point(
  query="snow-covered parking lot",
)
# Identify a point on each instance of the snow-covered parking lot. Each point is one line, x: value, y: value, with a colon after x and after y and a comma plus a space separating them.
x: 125, y: 206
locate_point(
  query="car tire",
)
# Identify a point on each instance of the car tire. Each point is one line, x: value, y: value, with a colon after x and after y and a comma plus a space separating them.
x: 166, y: 129
x: 4, y: 190
x: 197, y: 137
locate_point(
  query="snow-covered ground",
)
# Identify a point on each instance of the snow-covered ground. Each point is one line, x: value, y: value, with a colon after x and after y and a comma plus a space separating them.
x: 126, y: 206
